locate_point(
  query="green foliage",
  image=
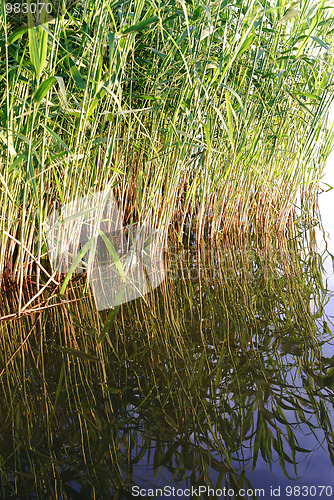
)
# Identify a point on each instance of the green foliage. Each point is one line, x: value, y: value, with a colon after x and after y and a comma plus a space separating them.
x: 208, y: 118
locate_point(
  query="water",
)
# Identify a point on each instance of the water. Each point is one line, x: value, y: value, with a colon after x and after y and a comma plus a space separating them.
x: 326, y: 244
x: 220, y: 378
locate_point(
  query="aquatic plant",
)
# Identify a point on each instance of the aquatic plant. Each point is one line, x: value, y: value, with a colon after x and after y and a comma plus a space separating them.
x: 202, y: 117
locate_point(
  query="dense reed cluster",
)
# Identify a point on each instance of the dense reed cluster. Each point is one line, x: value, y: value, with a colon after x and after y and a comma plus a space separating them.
x: 203, y: 117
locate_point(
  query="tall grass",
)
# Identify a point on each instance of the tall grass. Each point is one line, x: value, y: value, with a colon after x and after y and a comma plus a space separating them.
x: 203, y: 117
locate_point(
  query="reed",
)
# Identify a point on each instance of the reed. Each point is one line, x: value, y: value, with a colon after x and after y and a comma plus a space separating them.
x: 206, y: 118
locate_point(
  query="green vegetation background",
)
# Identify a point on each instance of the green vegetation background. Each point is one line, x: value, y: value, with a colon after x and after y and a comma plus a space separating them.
x: 207, y: 117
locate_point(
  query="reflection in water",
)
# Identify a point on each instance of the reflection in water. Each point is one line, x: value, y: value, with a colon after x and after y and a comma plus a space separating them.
x: 325, y: 236
x: 214, y: 376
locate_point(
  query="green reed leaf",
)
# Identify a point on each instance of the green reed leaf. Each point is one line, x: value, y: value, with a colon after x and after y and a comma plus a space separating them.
x: 38, y: 44
x: 75, y: 73
x: 77, y: 353
x: 113, y: 255
x: 75, y: 264
x: 43, y: 89
x: 141, y: 25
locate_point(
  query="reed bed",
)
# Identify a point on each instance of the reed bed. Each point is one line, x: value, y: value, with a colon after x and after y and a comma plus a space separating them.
x: 206, y: 118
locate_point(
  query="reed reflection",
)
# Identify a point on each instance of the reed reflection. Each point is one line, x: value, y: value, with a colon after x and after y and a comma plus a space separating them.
x: 199, y: 382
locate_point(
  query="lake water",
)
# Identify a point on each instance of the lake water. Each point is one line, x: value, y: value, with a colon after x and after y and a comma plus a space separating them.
x: 222, y: 377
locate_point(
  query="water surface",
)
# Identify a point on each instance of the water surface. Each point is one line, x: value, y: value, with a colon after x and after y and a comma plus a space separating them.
x: 221, y: 377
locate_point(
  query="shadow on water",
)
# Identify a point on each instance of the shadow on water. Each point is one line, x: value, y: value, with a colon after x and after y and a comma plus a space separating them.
x: 215, y: 376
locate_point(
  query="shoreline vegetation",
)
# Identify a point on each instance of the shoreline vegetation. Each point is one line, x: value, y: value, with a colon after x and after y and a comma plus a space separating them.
x: 207, y: 123
x: 205, y: 119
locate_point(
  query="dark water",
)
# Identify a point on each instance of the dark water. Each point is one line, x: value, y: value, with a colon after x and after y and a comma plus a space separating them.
x: 220, y: 378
